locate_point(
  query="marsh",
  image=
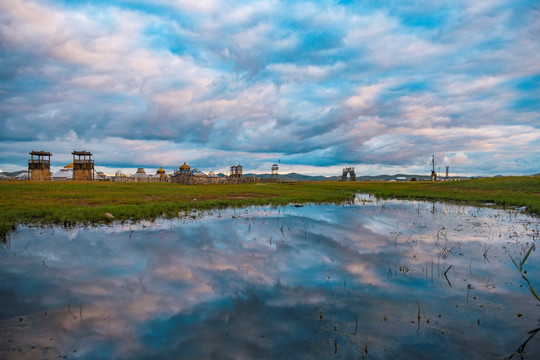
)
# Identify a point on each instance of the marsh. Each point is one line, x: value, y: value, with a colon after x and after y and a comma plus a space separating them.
x: 369, y: 279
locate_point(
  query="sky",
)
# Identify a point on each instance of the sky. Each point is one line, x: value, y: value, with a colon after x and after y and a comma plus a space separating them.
x: 314, y: 86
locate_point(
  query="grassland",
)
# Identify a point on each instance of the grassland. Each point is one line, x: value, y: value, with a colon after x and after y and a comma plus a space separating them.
x: 72, y: 203
x: 501, y: 191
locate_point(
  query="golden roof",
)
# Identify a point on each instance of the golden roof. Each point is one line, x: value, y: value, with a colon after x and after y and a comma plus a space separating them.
x: 185, y: 166
x: 160, y: 171
x: 69, y: 166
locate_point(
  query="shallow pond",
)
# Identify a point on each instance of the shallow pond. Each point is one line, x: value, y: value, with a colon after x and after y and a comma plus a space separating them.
x: 373, y: 279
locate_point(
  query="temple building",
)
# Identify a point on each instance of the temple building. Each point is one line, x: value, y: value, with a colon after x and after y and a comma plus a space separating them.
x: 66, y: 173
x: 161, y: 173
x: 185, y: 168
x: 184, y: 175
x: 140, y: 175
x: 188, y: 176
x: 160, y: 176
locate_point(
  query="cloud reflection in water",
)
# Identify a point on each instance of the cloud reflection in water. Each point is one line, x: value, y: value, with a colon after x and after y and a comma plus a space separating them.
x: 318, y: 281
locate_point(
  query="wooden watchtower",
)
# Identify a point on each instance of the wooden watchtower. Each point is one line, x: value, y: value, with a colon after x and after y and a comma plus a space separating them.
x: 274, y: 175
x: 39, y: 168
x: 236, y: 172
x: 83, y: 166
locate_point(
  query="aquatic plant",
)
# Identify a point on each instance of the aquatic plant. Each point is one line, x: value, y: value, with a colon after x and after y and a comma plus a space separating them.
x: 519, y: 265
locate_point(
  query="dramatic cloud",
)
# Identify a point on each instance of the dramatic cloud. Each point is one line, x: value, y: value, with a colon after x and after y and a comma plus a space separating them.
x: 314, y: 85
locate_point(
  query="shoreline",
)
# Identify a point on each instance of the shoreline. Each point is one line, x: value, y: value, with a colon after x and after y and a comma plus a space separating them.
x: 87, y: 203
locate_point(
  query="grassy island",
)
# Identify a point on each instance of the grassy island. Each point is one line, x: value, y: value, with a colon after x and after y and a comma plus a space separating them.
x: 72, y: 203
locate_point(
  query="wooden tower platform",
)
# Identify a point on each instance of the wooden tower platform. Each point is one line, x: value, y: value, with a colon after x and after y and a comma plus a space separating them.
x: 39, y: 168
x: 83, y: 166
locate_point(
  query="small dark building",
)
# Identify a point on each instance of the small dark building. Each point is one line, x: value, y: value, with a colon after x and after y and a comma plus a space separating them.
x: 348, y: 174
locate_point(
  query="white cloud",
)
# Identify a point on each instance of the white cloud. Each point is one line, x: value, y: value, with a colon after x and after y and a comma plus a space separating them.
x: 288, y: 72
x: 459, y: 159
x: 365, y: 96
x: 313, y: 83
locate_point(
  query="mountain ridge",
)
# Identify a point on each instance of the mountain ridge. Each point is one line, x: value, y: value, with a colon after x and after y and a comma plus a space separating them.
x: 300, y: 177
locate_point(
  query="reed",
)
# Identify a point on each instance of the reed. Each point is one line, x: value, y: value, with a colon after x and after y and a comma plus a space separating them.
x: 518, y: 263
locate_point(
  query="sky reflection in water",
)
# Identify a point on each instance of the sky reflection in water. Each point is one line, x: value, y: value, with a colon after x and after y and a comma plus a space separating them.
x: 319, y: 281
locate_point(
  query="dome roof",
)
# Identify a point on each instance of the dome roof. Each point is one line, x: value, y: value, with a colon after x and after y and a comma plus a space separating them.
x: 140, y: 173
x: 160, y: 171
x: 69, y: 166
x: 62, y: 174
x: 185, y: 166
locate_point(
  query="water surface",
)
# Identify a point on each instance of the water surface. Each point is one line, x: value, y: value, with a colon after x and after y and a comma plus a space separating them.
x: 373, y: 279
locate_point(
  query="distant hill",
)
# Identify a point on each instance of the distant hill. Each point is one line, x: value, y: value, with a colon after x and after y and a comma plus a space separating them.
x: 391, y: 177
x: 13, y: 173
x: 296, y: 177
x: 299, y: 177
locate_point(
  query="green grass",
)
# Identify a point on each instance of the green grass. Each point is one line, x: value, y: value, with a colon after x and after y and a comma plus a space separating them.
x: 71, y: 203
x: 501, y: 191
